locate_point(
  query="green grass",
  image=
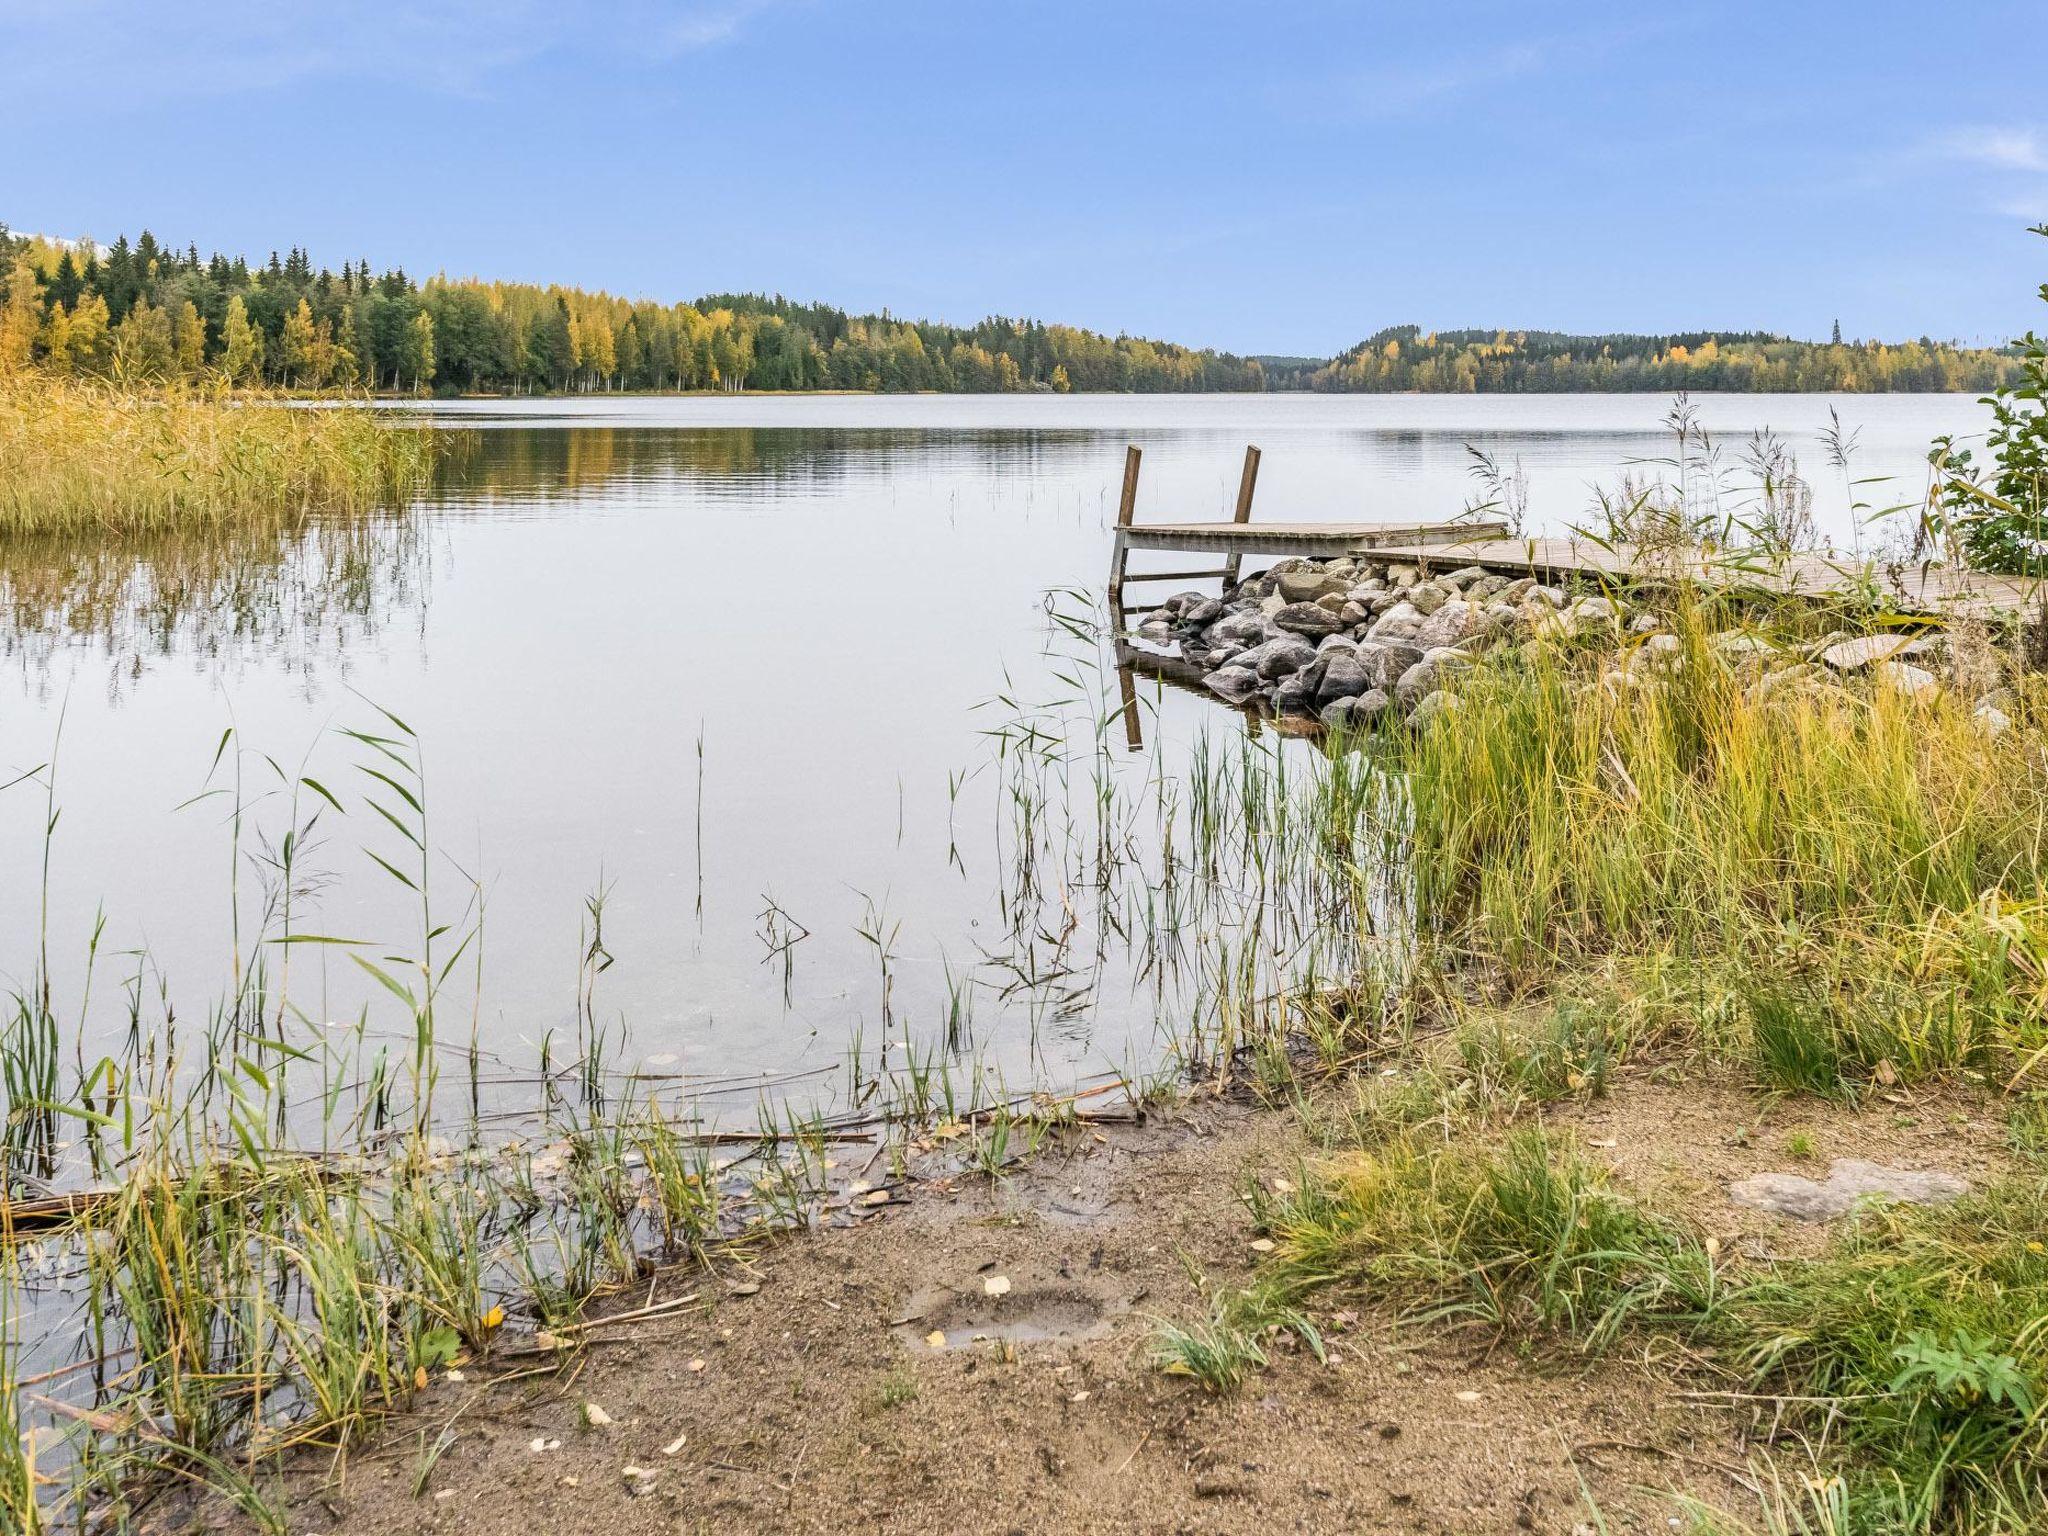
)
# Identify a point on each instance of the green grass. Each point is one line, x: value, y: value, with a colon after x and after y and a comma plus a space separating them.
x: 1852, y: 884
x: 1915, y: 1350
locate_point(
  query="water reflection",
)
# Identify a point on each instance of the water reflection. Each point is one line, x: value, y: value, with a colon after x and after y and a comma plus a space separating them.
x: 295, y: 602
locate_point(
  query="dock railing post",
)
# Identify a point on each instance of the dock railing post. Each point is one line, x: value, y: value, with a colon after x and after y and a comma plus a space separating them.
x: 1246, y: 484
x: 1126, y: 508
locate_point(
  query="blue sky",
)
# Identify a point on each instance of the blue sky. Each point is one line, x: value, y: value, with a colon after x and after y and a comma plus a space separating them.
x: 1260, y: 176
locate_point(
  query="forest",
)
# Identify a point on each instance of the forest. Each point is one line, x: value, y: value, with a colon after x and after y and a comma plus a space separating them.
x: 145, y: 312
x: 1407, y: 358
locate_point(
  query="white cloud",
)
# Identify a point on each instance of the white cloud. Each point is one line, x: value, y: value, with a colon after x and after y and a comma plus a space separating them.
x: 2005, y: 149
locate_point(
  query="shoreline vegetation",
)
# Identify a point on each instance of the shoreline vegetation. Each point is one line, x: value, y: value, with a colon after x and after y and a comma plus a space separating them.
x: 145, y: 312
x: 1609, y: 840
x: 85, y: 457
x: 1512, y: 908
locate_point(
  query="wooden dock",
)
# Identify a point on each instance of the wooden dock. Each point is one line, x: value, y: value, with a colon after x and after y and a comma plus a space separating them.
x: 1933, y: 590
x: 1241, y: 536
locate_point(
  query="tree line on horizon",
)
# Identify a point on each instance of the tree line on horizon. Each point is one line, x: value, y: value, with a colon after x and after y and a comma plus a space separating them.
x: 146, y: 312
x: 1407, y: 358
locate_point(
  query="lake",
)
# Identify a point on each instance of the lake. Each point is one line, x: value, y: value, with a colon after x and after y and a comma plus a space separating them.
x: 750, y: 671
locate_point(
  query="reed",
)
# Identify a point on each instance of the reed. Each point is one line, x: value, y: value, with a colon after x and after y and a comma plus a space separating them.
x: 81, y: 457
x: 1850, y: 881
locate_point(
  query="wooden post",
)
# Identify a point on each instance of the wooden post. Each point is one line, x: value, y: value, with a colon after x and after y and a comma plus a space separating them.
x: 1127, y: 687
x: 1245, y: 486
x: 1126, y: 509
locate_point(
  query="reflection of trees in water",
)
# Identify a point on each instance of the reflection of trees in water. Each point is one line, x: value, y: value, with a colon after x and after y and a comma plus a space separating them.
x: 516, y: 462
x: 295, y: 599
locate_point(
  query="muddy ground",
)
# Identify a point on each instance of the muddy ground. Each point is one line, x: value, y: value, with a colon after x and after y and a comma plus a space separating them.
x: 809, y: 1388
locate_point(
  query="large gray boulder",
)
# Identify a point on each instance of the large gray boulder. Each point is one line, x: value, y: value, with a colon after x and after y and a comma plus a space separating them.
x: 1386, y: 660
x: 1234, y: 684
x: 1428, y: 596
x: 1344, y: 675
x: 1305, y: 586
x: 1427, y: 676
x: 1399, y: 622
x: 1277, y: 657
x: 1452, y: 624
x: 1307, y: 619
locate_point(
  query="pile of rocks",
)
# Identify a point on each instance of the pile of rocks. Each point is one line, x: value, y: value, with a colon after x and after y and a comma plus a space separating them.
x: 1345, y: 641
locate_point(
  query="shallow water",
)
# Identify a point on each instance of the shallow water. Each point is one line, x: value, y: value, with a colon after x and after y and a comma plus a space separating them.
x: 733, y: 663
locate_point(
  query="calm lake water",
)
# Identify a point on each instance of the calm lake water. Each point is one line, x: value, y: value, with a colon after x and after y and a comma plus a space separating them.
x: 734, y: 662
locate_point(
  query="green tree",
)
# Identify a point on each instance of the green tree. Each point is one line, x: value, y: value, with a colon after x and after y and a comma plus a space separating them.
x: 419, y: 350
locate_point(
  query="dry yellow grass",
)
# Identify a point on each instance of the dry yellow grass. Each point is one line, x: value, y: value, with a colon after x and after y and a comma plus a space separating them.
x: 82, y: 457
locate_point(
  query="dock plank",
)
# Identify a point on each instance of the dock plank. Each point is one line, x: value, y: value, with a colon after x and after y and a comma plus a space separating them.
x: 1930, y: 589
x: 1295, y: 538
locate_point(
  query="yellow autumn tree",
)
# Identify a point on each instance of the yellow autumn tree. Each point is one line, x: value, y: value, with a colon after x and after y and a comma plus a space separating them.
x: 188, y: 339
x: 21, y: 316
x: 241, y: 355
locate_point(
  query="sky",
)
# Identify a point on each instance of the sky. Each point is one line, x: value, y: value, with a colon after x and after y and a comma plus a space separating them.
x: 1260, y: 176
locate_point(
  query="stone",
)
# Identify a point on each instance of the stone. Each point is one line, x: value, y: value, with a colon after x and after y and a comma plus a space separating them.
x: 1486, y: 588
x: 1271, y: 604
x: 1735, y: 642
x: 1386, y: 660
x: 1864, y: 651
x: 1426, y: 597
x: 1398, y: 623
x: 1370, y: 705
x: 1206, y: 611
x: 1433, y: 706
x: 1991, y: 720
x: 1331, y: 602
x: 1401, y: 575
x: 1645, y: 624
x: 1464, y: 576
x: 1849, y: 1180
x: 1305, y: 586
x: 1452, y: 623
x: 1293, y: 699
x: 1595, y: 610
x: 1247, y: 628
x: 1914, y: 682
x: 1545, y: 621
x: 1344, y: 676
x: 1234, y: 684
x: 1354, y: 613
x: 1307, y: 619
x: 1427, y: 675
x: 1336, y: 715
x: 1158, y: 631
x: 1518, y: 589
x: 1278, y: 656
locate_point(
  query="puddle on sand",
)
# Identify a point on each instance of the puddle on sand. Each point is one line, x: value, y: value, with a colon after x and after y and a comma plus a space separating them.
x: 1058, y: 1313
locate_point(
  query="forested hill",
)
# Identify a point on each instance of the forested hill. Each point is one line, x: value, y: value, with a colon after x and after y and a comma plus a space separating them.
x: 1407, y: 358
x: 145, y: 311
